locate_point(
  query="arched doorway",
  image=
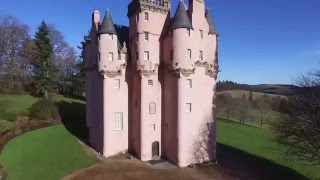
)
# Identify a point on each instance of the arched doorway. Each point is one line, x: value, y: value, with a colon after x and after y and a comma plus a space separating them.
x: 155, y: 150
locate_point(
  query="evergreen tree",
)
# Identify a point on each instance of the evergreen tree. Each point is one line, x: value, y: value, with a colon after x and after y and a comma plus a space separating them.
x: 47, y: 74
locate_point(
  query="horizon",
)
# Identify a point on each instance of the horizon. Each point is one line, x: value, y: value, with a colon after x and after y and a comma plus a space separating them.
x: 263, y: 42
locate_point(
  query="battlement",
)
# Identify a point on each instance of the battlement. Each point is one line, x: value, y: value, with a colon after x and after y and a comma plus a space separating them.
x: 162, y: 6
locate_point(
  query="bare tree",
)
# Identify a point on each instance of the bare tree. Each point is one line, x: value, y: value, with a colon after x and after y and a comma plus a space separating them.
x: 226, y: 103
x: 300, y: 127
x: 13, y: 34
x: 243, y: 109
x: 263, y: 108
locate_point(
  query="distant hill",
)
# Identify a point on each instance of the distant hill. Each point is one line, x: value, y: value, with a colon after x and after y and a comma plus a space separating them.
x: 278, y: 89
x: 256, y: 95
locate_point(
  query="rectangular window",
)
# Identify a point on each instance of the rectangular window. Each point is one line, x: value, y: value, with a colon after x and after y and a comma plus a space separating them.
x: 152, y: 127
x: 146, y: 55
x: 171, y: 54
x: 146, y: 16
x: 110, y: 56
x: 189, y: 53
x: 201, y: 34
x: 146, y: 36
x: 166, y: 127
x: 189, y: 83
x: 152, y: 108
x: 123, y: 56
x: 200, y: 55
x: 188, y: 32
x: 111, y: 36
x: 118, y: 121
x: 137, y: 18
x: 138, y: 37
x: 188, y: 107
x: 137, y: 55
x: 117, y: 83
x: 150, y: 83
x: 99, y: 57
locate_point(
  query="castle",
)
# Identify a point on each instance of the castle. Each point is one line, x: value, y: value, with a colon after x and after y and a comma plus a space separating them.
x: 150, y: 87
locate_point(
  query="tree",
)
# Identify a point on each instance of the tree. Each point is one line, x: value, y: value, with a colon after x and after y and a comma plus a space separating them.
x: 243, y: 109
x: 47, y: 74
x: 13, y: 65
x: 250, y: 96
x: 263, y: 108
x: 300, y: 127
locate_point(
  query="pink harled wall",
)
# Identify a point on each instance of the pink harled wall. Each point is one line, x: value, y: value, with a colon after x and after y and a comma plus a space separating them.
x: 115, y: 99
x: 143, y: 94
x: 184, y: 137
x: 186, y: 131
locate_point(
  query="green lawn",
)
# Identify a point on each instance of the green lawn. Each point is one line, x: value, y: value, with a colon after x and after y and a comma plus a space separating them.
x: 49, y: 153
x: 13, y: 105
x: 261, y: 143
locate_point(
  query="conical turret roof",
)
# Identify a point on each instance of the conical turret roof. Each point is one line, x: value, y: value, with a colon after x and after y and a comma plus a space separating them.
x: 212, y: 28
x: 181, y: 18
x: 107, y: 26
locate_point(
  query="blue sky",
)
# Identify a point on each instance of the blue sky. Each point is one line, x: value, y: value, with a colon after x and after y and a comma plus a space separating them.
x: 261, y: 41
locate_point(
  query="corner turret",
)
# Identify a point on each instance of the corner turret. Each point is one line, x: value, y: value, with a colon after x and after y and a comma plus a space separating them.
x: 181, y: 19
x: 212, y: 28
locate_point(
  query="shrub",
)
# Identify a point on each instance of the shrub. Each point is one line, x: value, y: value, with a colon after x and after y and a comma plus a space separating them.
x: 2, y: 173
x: 5, y: 126
x: 44, y: 109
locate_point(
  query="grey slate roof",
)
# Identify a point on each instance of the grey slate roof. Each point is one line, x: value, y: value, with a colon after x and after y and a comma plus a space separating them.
x: 181, y: 18
x: 107, y: 26
x: 212, y: 28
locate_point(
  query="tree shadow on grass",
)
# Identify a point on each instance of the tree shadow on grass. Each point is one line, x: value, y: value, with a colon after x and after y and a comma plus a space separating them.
x: 247, y: 166
x: 73, y: 117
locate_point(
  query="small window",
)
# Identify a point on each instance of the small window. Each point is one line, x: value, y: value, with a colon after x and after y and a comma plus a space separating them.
x: 137, y: 55
x: 146, y: 55
x: 152, y: 127
x: 189, y: 53
x: 138, y: 37
x: 188, y: 107
x: 201, y: 34
x: 150, y: 82
x: 152, y: 108
x: 146, y: 16
x: 110, y: 56
x: 200, y: 55
x: 171, y: 54
x: 123, y: 56
x: 137, y: 18
x: 111, y: 36
x: 117, y: 83
x: 146, y: 36
x: 188, y: 32
x: 118, y: 121
x: 189, y: 83
x: 99, y: 58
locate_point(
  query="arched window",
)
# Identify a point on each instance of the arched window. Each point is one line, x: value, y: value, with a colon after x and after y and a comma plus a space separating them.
x: 152, y: 108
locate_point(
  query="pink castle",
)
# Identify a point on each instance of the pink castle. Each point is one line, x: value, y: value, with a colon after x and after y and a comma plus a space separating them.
x: 151, y: 86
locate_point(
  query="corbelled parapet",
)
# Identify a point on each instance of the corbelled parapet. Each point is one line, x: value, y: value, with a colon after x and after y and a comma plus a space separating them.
x: 162, y: 6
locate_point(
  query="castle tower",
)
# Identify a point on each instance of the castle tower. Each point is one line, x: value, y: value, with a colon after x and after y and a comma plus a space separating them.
x: 147, y: 20
x: 190, y: 79
x: 112, y: 58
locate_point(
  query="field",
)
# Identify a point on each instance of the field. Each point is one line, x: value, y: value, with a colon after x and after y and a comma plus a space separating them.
x: 259, y: 146
x: 49, y: 153
x: 12, y: 106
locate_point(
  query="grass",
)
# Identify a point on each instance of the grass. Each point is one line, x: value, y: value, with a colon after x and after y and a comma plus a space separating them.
x: 49, y: 153
x: 12, y: 106
x: 260, y: 142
